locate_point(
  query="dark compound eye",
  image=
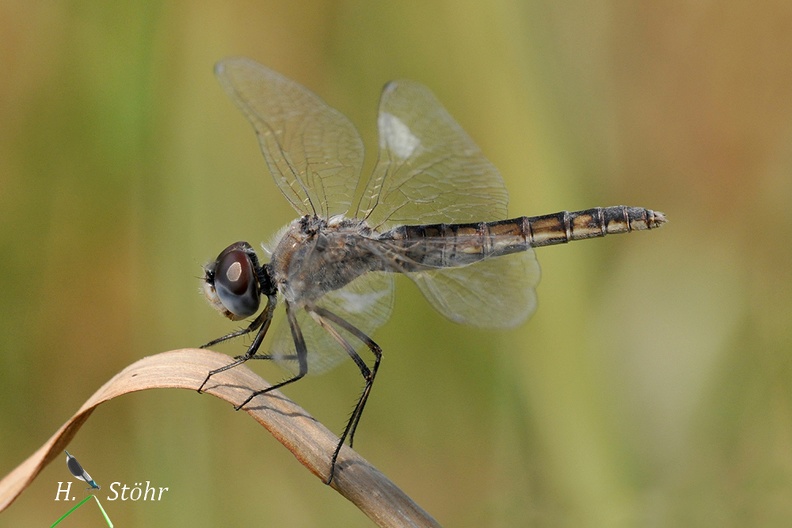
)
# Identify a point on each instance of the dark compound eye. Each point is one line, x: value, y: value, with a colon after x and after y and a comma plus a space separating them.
x: 235, y: 281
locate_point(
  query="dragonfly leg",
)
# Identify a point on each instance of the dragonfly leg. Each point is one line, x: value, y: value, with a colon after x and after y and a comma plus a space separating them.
x: 260, y: 323
x: 322, y: 316
x: 302, y: 358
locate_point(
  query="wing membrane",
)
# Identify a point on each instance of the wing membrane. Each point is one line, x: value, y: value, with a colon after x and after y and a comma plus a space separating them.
x: 428, y: 170
x: 313, y: 151
x: 493, y: 293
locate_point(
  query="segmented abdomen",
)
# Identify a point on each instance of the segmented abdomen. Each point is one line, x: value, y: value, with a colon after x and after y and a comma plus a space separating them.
x: 447, y: 245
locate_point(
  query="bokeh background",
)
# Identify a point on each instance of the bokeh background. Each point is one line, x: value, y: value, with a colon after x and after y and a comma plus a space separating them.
x: 651, y: 388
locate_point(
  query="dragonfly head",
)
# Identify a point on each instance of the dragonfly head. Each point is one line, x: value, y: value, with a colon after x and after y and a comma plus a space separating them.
x: 231, y: 283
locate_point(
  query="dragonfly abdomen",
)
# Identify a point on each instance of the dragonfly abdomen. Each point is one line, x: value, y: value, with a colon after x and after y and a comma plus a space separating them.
x: 447, y: 245
x: 563, y: 227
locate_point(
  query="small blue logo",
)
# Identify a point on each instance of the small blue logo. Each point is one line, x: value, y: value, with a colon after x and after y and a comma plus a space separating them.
x: 78, y: 471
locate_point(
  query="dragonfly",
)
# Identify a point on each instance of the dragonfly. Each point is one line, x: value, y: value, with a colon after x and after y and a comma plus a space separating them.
x: 433, y: 209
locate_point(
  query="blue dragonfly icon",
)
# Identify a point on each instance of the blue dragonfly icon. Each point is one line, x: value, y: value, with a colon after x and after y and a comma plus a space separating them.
x: 78, y: 471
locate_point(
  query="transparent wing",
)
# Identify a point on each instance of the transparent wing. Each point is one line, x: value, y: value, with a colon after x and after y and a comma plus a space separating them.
x: 312, y: 150
x: 493, y: 293
x: 429, y: 170
x: 366, y: 303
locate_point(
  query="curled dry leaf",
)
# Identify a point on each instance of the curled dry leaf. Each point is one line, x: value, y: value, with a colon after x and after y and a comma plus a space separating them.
x: 309, y: 441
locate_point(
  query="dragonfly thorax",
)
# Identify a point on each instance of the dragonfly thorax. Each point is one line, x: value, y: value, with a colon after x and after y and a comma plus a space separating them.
x: 315, y: 256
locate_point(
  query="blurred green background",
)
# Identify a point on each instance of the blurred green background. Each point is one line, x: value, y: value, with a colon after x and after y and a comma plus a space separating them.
x: 651, y: 388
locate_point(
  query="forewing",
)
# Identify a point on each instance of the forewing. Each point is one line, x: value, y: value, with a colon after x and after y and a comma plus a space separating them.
x: 496, y: 292
x: 428, y: 170
x: 312, y: 150
x: 366, y: 303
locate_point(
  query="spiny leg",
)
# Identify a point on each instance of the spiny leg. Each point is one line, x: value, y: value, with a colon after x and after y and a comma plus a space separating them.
x: 372, y: 346
x: 262, y: 323
x: 322, y: 317
x: 301, y: 355
x: 237, y: 333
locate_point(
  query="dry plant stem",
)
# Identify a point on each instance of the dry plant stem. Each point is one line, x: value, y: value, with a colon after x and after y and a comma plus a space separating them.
x: 309, y: 441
